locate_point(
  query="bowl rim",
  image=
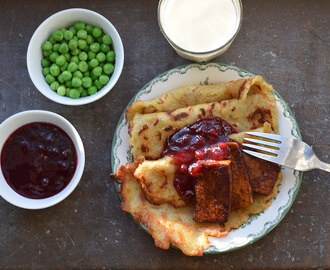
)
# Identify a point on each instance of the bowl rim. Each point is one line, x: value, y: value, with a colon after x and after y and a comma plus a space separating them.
x: 206, y: 53
x: 31, y: 116
x: 119, y: 64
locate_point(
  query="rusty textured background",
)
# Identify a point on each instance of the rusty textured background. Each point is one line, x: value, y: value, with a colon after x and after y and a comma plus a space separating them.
x: 288, y: 42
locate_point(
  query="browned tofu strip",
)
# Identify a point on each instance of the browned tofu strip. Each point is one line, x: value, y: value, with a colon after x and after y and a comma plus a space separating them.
x: 242, y: 192
x: 263, y: 174
x: 213, y: 192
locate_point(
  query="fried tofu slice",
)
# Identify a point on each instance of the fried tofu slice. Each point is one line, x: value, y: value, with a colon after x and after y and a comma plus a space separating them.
x: 242, y: 192
x: 263, y: 174
x: 213, y: 192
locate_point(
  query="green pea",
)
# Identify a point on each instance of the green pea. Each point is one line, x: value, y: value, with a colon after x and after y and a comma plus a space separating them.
x: 58, y: 35
x: 78, y: 74
x: 97, y: 71
x: 89, y: 39
x: 45, y: 71
x: 63, y: 30
x: 83, y: 66
x: 75, y: 51
x: 107, y: 39
x: 79, y: 26
x: 68, y: 35
x: 53, y: 56
x: 54, y: 85
x: 67, y: 75
x: 76, y: 82
x: 80, y: 89
x: 64, y: 67
x: 82, y: 44
x: 93, y: 76
x: 111, y: 56
x: 94, y: 47
x: 91, y: 55
x: 54, y: 70
x: 108, y: 68
x: 101, y: 57
x: 86, y: 74
x: 64, y: 48
x: 104, y: 79
x: 67, y: 92
x: 93, y: 63
x: 74, y: 93
x: 68, y: 84
x: 83, y: 56
x: 84, y: 93
x: 46, y: 53
x: 75, y: 59
x: 72, y: 67
x: 82, y: 34
x: 71, y: 29
x: 97, y: 32
x: 50, y: 79
x: 56, y: 47
x: 60, y: 78
x: 45, y: 62
x: 91, y: 90
x: 100, y: 40
x: 60, y: 60
x: 73, y: 44
x: 67, y: 57
x: 86, y: 82
x: 98, y: 84
x: 47, y: 45
x: 89, y: 28
x: 105, y: 48
x: 61, y: 90
x: 52, y: 40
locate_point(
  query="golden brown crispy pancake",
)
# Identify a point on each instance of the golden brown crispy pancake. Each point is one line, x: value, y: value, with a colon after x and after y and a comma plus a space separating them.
x: 170, y: 225
x: 242, y: 193
x: 150, y: 131
x: 213, y: 191
x: 263, y: 174
x: 189, y: 95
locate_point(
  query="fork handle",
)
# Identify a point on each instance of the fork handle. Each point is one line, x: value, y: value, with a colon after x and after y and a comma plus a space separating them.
x: 324, y: 166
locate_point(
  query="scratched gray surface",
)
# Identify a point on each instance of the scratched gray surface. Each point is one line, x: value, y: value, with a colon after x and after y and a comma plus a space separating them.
x: 288, y: 42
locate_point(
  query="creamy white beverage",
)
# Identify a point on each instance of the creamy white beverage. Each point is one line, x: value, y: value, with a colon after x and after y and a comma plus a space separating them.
x: 199, y: 25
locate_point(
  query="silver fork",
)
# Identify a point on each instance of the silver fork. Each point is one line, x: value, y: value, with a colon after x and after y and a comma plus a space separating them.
x: 285, y: 151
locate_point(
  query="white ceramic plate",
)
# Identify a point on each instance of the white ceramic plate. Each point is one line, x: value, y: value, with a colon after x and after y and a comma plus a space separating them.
x: 258, y: 225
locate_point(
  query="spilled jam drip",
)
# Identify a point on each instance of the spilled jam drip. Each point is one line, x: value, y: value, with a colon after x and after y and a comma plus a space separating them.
x: 38, y: 160
x: 204, y: 139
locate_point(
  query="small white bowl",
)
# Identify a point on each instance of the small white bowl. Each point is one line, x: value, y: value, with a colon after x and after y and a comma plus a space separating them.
x: 67, y: 18
x: 14, y: 122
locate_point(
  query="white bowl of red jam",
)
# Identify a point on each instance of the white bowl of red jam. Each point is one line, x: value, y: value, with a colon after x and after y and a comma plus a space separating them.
x: 42, y: 159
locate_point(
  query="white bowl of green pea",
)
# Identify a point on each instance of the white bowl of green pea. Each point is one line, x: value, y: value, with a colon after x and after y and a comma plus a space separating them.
x: 75, y: 57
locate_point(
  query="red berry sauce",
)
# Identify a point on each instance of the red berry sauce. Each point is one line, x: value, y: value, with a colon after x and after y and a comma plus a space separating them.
x: 38, y: 160
x: 204, y: 139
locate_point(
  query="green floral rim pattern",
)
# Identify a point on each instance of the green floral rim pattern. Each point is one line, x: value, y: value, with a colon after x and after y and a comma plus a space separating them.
x: 287, y: 113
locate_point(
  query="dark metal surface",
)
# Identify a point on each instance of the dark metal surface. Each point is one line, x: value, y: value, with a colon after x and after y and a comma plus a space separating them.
x: 288, y: 42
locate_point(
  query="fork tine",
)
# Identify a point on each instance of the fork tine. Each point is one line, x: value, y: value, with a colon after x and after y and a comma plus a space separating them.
x: 266, y: 135
x: 262, y: 142
x: 259, y: 155
x: 257, y: 147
